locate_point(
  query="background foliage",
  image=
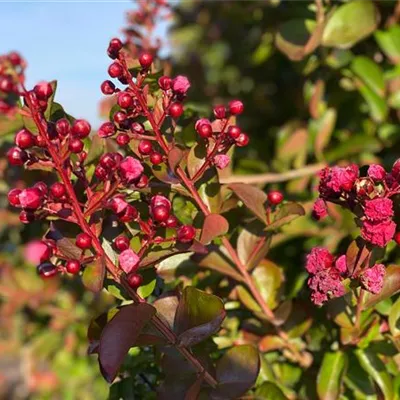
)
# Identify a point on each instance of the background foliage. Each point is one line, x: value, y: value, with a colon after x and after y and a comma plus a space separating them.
x: 321, y: 84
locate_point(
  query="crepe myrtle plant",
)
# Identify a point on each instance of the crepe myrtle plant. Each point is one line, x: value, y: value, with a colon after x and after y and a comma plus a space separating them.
x: 144, y: 188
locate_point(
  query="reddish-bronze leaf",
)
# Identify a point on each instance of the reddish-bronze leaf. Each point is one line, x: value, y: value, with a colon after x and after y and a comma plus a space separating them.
x: 214, y: 225
x: 93, y: 275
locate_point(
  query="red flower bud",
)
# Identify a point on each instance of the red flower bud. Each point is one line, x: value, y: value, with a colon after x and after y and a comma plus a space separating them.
x: 13, y: 197
x: 186, y: 233
x: 16, y: 156
x: 31, y: 198
x: 81, y: 128
x: 58, y: 190
x: 83, y: 241
x: 145, y: 60
x: 164, y: 82
x: 73, y: 266
x: 47, y: 270
x: 63, y: 127
x: 135, y: 280
x: 106, y: 130
x: 43, y: 90
x: 129, y: 215
x: 175, y: 110
x: 145, y: 147
x: 275, y: 197
x: 236, y: 107
x: 107, y: 87
x: 121, y: 243
x: 219, y: 112
x: 24, y: 139
x: 115, y: 70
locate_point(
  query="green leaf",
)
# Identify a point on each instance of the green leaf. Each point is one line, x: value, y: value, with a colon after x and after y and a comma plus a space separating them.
x: 297, y: 38
x: 269, y: 278
x: 210, y: 191
x: 378, y: 107
x: 237, y: 371
x: 326, y: 125
x: 270, y: 343
x: 120, y: 334
x: 196, y: 158
x: 391, y: 285
x: 199, y: 315
x: 370, y: 73
x: 350, y: 23
x: 93, y: 275
x: 389, y: 42
x: 270, y: 391
x: 214, y: 225
x: 252, y: 197
x: 247, y: 299
x: 286, y: 213
x: 50, y: 101
x: 373, y: 365
x: 394, y: 316
x: 330, y: 375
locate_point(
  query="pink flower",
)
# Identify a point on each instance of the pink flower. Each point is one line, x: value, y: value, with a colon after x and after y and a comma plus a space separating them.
x: 378, y: 209
x: 378, y: 233
x: 376, y: 172
x: 118, y: 204
x: 30, y: 198
x: 36, y: 252
x: 372, y: 278
x: 180, y: 84
x: 325, y: 284
x: 221, y: 161
x: 319, y: 259
x: 128, y: 261
x: 341, y: 264
x: 319, y: 209
x: 130, y: 169
x: 159, y: 200
x: 343, y: 179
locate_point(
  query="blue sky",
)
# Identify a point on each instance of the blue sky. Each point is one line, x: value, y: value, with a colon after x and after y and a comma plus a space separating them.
x: 66, y: 41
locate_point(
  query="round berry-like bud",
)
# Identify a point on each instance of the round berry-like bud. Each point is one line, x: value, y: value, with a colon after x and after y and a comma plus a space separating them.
x: 106, y: 130
x: 129, y: 215
x: 160, y: 213
x: 143, y: 182
x: 40, y: 141
x: 81, y: 128
x: 58, y: 190
x: 145, y: 147
x: 73, y: 266
x: 156, y: 158
x: 31, y: 198
x: 118, y: 157
x: 63, y: 127
x: 24, y: 139
x: 275, y: 197
x: 236, y: 107
x: 120, y: 117
x: 137, y: 128
x: 159, y: 200
x: 175, y: 110
x: 123, y: 139
x: 115, y: 45
x: 397, y: 238
x: 108, y: 161
x: 107, y: 87
x: 205, y: 130
x: 47, y: 270
x: 43, y: 90
x: 219, y: 111
x: 75, y: 145
x: 125, y: 100
x: 135, y: 280
x: 121, y: 243
x: 26, y: 216
x: 186, y: 233
x: 115, y: 70
x: 145, y: 60
x: 6, y: 84
x: 13, y: 197
x: 243, y: 140
x: 15, y: 58
x: 164, y: 82
x: 100, y: 173
x: 41, y: 250
x: 234, y: 132
x: 171, y: 222
x: 83, y: 241
x: 42, y: 187
x: 16, y: 156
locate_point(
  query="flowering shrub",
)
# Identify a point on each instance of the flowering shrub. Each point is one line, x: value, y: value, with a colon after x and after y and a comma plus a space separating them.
x: 146, y: 213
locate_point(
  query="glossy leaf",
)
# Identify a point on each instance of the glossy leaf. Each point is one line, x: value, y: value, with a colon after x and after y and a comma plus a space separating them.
x: 126, y: 325
x: 325, y: 129
x: 237, y: 371
x: 270, y: 391
x: 175, y: 157
x: 268, y: 278
x: 286, y: 214
x: 247, y: 299
x: 370, y: 73
x: 196, y: 158
x: 374, y: 366
x: 253, y: 198
x: 199, y: 315
x: 389, y: 42
x: 350, y: 23
x: 394, y: 318
x: 214, y: 225
x: 331, y: 375
x: 93, y: 275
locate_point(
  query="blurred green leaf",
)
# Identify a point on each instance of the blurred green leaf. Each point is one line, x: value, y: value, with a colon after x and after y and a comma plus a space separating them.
x: 330, y: 375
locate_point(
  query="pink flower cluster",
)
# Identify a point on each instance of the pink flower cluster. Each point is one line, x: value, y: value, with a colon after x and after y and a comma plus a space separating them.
x: 326, y: 275
x: 372, y: 278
